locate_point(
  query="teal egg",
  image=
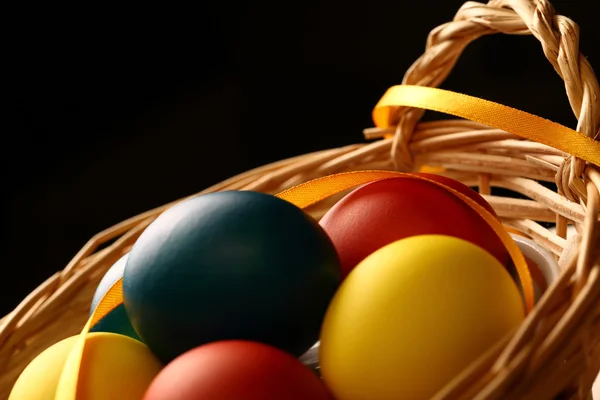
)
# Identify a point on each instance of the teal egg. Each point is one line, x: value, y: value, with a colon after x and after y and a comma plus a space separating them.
x: 230, y: 265
x: 117, y: 320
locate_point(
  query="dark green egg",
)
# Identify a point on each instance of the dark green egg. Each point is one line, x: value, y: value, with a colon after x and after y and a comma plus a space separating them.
x: 230, y: 265
x: 117, y: 320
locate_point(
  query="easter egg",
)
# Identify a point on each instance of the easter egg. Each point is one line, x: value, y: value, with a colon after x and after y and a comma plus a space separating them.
x: 541, y: 264
x: 117, y: 320
x: 412, y: 316
x: 230, y: 265
x: 113, y: 367
x: 232, y: 370
x: 39, y: 379
x: 384, y: 211
x: 460, y: 187
x: 111, y: 276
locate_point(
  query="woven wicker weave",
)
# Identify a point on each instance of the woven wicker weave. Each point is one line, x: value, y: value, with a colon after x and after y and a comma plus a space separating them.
x: 556, y: 352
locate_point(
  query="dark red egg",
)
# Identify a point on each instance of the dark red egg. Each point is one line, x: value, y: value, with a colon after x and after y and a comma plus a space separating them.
x: 460, y: 187
x: 384, y: 211
x: 233, y: 370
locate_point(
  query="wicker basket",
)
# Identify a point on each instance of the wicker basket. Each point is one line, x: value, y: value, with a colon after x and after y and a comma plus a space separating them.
x: 556, y: 352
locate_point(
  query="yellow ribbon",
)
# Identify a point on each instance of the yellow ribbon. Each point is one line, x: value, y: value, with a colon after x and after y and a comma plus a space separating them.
x: 496, y: 115
x: 69, y: 379
x: 479, y: 110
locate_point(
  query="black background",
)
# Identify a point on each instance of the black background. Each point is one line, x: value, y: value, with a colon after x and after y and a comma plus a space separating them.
x: 121, y: 112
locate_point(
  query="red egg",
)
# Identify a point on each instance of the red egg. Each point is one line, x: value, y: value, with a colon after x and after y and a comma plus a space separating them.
x: 460, y: 187
x: 234, y: 369
x: 384, y: 211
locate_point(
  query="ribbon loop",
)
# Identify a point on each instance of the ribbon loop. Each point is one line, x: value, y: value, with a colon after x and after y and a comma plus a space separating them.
x: 511, y: 120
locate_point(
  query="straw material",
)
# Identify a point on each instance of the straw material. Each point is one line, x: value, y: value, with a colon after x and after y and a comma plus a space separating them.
x: 556, y: 351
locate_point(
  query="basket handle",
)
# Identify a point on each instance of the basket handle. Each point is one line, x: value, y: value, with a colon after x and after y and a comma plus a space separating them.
x: 559, y: 37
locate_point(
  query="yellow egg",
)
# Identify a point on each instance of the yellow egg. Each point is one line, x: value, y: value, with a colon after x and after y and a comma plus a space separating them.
x: 414, y: 314
x: 113, y: 367
x: 39, y: 379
